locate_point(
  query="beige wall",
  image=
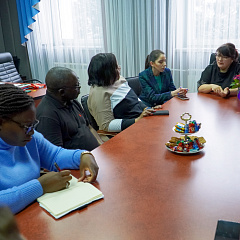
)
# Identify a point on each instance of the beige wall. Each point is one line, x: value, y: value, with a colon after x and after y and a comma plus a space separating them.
x: 10, y: 35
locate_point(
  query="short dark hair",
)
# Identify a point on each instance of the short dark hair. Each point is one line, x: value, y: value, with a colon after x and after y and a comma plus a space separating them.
x: 103, y: 70
x: 57, y: 77
x: 229, y: 50
x: 13, y: 100
x: 152, y: 57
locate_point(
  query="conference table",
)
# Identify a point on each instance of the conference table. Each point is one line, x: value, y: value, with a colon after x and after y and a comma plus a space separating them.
x: 151, y: 192
x: 38, y: 94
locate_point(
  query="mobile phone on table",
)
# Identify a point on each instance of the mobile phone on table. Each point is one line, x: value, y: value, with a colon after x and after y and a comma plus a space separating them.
x: 161, y: 112
x: 227, y: 230
x: 182, y: 97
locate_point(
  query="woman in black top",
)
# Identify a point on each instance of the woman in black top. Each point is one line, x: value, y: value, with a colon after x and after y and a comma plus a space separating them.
x: 218, y: 76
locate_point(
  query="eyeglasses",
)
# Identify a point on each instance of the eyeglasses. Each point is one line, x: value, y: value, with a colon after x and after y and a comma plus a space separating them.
x: 221, y: 56
x: 28, y: 129
x: 78, y: 86
x: 74, y: 87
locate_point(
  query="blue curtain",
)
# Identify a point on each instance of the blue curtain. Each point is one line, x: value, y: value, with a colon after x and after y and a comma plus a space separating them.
x: 26, y: 12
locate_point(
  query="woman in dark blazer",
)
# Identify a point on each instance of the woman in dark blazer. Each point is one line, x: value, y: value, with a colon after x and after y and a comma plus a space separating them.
x: 156, y: 80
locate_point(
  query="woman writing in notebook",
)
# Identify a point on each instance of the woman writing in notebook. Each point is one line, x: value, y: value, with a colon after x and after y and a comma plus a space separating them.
x: 23, y: 152
x: 156, y: 81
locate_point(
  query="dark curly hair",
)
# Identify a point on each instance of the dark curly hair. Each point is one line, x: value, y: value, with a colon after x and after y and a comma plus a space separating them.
x: 103, y: 70
x: 13, y: 100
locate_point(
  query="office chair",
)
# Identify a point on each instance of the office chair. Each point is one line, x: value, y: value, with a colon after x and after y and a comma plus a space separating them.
x: 135, y: 84
x: 8, y: 71
x: 92, y: 121
x: 213, y: 58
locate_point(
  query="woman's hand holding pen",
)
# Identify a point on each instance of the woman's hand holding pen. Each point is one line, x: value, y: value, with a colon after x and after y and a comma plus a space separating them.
x: 88, y: 163
x: 55, y: 181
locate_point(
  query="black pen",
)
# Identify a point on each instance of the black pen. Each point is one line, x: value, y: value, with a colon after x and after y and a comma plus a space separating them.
x: 57, y: 167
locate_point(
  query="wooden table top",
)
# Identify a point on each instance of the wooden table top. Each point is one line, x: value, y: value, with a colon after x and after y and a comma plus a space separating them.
x: 38, y: 93
x: 152, y: 193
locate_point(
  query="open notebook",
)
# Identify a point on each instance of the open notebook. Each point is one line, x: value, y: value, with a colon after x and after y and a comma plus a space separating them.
x: 77, y: 195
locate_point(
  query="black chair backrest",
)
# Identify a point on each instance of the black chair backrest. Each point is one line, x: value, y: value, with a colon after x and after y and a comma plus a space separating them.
x: 135, y: 84
x: 8, y: 71
x: 88, y: 114
x: 213, y: 58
